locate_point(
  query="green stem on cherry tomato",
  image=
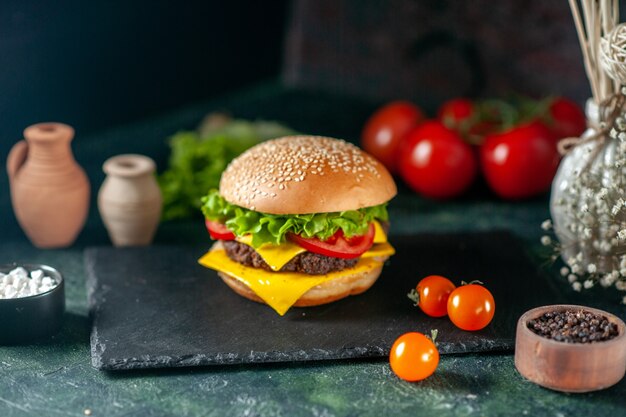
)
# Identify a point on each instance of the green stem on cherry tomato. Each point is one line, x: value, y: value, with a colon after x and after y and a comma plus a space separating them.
x: 433, y: 335
x: 473, y: 282
x: 414, y: 296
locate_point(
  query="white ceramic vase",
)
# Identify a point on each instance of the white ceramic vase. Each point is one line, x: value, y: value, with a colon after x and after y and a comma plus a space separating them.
x: 586, y: 195
x: 129, y: 200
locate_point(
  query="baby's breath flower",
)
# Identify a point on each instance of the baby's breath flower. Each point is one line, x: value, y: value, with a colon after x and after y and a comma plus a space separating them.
x: 620, y: 285
x: 605, y: 246
x: 546, y: 225
x: 564, y: 271
x: 609, y: 279
x: 621, y: 234
x: 545, y: 240
x: 624, y: 300
x: 572, y: 278
x: 588, y: 284
x: 576, y: 286
x: 591, y: 268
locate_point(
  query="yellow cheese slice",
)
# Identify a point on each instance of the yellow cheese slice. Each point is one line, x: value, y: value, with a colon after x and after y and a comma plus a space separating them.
x: 280, y: 290
x: 380, y: 236
x: 378, y: 250
x: 276, y: 256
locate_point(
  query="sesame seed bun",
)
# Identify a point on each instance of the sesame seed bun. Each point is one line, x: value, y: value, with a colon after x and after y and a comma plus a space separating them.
x: 306, y: 174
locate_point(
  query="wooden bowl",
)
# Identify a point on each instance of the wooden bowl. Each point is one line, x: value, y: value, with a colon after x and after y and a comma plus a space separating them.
x: 569, y: 367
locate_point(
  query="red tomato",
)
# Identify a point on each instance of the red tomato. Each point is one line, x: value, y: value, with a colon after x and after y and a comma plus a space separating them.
x: 387, y: 128
x: 338, y: 246
x: 436, y: 162
x: 413, y: 357
x: 432, y: 295
x: 566, y: 118
x: 219, y: 231
x: 456, y: 112
x: 520, y: 162
x: 471, y: 307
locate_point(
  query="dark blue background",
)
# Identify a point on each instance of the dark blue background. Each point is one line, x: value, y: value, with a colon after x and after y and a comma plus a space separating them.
x: 98, y: 64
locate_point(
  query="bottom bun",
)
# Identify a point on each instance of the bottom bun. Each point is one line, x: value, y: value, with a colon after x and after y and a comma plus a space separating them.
x: 324, y: 293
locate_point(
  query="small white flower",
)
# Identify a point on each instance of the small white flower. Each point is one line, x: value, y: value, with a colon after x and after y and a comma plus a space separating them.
x: 576, y: 286
x: 545, y: 240
x: 576, y: 269
x: 621, y: 234
x: 564, y: 271
x: 624, y: 300
x: 609, y: 279
x: 571, y: 278
x: 615, y: 210
x: 546, y: 225
x: 588, y: 284
x: 591, y: 268
x: 620, y: 285
x: 571, y: 261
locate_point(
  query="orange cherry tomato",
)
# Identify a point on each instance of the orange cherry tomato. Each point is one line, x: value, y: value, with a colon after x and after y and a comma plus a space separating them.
x: 413, y: 357
x: 432, y: 294
x: 471, y: 307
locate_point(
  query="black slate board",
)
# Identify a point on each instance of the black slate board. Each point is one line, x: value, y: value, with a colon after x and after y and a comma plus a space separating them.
x: 157, y: 307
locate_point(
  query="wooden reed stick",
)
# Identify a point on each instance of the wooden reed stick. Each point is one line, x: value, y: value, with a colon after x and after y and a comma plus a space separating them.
x: 597, y: 18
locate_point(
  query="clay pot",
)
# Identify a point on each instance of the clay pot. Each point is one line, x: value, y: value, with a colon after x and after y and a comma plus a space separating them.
x: 130, y: 200
x: 569, y: 367
x: 49, y: 190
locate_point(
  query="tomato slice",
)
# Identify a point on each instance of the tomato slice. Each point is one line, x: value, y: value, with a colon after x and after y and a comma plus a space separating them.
x: 338, y: 246
x: 219, y: 231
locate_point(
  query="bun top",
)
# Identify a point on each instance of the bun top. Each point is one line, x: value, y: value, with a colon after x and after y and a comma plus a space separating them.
x: 306, y: 174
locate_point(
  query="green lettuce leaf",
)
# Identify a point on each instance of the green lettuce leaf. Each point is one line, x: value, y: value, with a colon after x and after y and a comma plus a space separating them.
x: 273, y: 228
x: 198, y: 158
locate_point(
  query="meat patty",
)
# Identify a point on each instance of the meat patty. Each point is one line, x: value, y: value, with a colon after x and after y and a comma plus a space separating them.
x: 307, y: 262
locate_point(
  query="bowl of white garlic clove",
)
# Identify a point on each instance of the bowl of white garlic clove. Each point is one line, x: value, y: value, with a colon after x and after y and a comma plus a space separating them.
x: 32, y: 302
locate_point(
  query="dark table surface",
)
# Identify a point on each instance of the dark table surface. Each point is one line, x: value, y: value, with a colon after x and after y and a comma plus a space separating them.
x: 55, y: 378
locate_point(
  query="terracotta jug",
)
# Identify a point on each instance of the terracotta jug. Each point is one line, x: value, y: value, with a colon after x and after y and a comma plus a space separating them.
x: 49, y: 190
x: 130, y: 200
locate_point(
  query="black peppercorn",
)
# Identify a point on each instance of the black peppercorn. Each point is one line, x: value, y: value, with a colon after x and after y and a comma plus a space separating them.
x: 573, y: 326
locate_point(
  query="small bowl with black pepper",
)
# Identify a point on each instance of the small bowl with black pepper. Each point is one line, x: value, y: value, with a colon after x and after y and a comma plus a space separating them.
x: 571, y: 348
x: 32, y: 302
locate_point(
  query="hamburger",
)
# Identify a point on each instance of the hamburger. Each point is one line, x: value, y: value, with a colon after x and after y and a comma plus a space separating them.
x: 299, y: 221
